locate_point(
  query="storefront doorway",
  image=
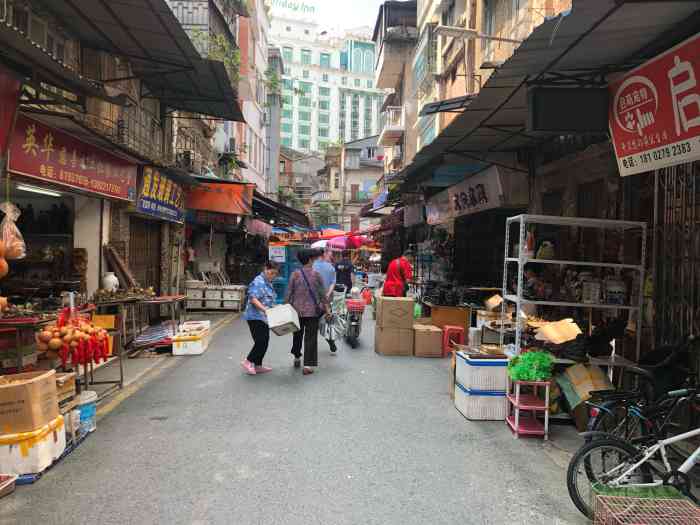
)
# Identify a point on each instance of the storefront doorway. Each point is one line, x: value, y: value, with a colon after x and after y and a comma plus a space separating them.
x: 144, y: 252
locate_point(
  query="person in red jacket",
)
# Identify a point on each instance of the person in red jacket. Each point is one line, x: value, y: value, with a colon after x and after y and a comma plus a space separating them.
x: 398, y: 274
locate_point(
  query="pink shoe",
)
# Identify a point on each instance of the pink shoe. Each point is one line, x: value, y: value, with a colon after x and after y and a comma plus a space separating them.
x: 262, y: 369
x: 248, y: 367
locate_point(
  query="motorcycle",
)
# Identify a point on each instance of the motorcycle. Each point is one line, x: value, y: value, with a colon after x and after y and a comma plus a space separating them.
x: 346, y: 318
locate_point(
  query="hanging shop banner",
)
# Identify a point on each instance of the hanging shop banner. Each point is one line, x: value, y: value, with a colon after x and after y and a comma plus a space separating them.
x: 654, y: 112
x: 9, y: 97
x: 207, y: 218
x: 222, y: 197
x: 437, y: 208
x: 277, y: 254
x: 160, y: 197
x: 42, y: 152
x: 380, y: 200
x: 478, y: 193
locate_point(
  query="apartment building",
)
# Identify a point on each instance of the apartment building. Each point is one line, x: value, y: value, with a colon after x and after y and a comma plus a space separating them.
x: 329, y: 93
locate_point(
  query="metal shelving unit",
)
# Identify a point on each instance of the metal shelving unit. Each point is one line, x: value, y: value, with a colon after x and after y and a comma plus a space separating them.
x: 523, y: 221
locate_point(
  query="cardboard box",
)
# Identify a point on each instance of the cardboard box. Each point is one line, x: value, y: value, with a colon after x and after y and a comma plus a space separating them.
x: 395, y: 312
x: 427, y: 340
x: 27, y: 401
x: 283, y: 319
x: 451, y: 315
x: 393, y: 341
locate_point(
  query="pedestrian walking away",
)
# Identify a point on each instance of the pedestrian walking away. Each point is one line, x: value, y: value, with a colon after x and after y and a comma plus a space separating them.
x: 398, y: 274
x: 307, y: 295
x: 261, y: 296
x: 324, y: 267
x: 345, y: 271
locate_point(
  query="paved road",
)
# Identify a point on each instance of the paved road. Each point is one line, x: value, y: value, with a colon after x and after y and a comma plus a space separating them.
x: 366, y: 440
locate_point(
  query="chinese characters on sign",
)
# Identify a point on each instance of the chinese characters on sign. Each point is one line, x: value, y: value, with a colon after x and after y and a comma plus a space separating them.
x: 478, y: 193
x: 655, y: 111
x: 41, y: 152
x: 160, y: 197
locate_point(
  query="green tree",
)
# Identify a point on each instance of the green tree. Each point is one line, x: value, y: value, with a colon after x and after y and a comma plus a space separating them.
x: 324, y: 213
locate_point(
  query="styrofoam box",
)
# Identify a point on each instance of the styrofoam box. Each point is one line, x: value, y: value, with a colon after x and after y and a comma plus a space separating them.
x: 212, y: 294
x: 283, y: 319
x: 213, y: 305
x: 481, y: 405
x: 191, y: 342
x: 232, y: 305
x: 195, y: 293
x: 194, y: 305
x: 481, y: 374
x: 32, y: 452
x: 233, y: 295
x: 194, y: 326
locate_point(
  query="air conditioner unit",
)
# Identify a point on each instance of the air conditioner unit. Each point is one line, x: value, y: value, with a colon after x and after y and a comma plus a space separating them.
x: 184, y: 159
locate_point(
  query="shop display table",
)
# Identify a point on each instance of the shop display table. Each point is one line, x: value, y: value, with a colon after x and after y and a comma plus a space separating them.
x: 177, y: 309
x: 23, y: 327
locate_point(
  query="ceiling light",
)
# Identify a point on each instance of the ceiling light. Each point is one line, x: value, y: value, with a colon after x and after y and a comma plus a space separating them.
x: 40, y: 191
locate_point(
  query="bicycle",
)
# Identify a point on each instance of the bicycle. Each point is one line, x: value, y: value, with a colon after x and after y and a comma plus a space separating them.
x: 609, y: 462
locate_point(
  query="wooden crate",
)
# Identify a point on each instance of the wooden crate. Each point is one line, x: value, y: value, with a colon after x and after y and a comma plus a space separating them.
x: 65, y: 386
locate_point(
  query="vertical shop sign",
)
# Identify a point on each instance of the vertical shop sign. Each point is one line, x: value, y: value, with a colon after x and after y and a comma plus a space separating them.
x: 654, y: 112
x: 44, y: 153
x: 160, y: 197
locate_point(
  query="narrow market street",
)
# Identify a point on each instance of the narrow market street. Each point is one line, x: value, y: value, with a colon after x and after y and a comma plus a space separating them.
x: 367, y: 440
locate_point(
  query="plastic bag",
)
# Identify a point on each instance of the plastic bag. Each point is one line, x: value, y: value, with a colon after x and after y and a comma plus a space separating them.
x: 15, y: 248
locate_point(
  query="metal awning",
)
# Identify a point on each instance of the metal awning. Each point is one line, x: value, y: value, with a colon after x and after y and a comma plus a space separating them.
x: 593, y: 38
x: 282, y: 215
x: 37, y: 65
x: 450, y: 105
x: 148, y: 34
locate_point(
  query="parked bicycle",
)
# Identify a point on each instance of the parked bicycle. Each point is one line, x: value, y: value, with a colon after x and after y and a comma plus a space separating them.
x: 608, y: 462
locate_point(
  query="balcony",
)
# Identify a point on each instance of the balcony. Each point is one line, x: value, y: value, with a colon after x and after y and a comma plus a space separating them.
x: 425, y: 62
x: 395, y: 37
x: 319, y: 197
x: 391, y: 126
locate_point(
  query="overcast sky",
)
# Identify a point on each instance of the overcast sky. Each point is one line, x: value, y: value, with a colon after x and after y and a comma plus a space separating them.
x: 347, y: 14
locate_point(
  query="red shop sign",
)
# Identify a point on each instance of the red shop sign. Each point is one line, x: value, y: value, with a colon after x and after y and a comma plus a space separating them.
x: 655, y: 111
x: 41, y: 152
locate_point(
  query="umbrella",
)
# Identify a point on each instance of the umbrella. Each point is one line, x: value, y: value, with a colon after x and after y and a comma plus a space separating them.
x: 320, y: 244
x: 347, y: 242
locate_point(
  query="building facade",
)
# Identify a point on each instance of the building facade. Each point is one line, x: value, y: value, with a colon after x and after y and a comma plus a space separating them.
x: 329, y: 93
x: 274, y: 122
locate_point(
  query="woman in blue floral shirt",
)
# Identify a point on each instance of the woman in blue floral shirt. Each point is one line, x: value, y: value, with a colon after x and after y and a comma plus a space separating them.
x: 261, y: 296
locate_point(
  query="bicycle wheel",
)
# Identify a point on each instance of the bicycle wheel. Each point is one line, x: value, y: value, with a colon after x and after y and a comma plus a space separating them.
x: 597, y: 464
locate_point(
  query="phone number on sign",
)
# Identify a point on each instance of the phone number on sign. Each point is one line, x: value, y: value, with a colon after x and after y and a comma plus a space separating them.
x: 660, y: 156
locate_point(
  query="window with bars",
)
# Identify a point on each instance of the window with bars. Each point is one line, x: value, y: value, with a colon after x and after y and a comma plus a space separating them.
x: 325, y: 60
x: 287, y: 114
x: 325, y: 77
x: 304, y: 102
x: 324, y: 92
x: 323, y: 132
x: 288, y: 84
x: 287, y: 142
x: 305, y: 129
x: 287, y: 127
x: 304, y: 144
x: 288, y: 54
x: 323, y: 118
x: 324, y: 105
x: 305, y: 116
x: 305, y: 73
x: 305, y: 88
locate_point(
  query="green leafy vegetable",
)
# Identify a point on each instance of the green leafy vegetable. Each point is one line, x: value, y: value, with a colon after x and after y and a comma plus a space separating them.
x: 531, y: 366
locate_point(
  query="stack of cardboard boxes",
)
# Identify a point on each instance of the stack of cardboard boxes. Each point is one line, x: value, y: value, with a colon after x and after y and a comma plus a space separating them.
x: 397, y: 333
x: 32, y: 432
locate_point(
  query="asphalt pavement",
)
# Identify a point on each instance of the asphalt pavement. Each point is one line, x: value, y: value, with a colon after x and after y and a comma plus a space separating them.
x: 366, y: 440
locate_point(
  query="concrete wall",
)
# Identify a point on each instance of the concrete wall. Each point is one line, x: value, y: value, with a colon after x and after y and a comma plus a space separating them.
x: 87, y: 235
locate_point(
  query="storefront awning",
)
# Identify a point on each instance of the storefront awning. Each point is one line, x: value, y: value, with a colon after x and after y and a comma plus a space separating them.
x: 149, y: 35
x: 221, y: 196
x: 267, y: 209
x: 33, y: 62
x: 593, y: 38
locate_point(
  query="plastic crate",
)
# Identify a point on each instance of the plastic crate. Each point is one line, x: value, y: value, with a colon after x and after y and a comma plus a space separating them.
x: 355, y: 305
x: 481, y: 374
x: 481, y: 405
